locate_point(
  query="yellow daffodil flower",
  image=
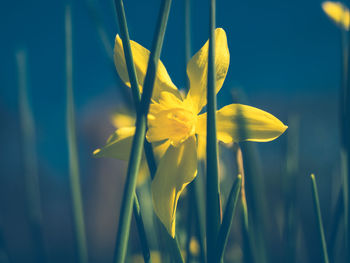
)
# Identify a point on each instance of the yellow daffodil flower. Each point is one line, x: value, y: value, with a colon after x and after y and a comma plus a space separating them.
x: 175, y: 122
x: 338, y: 12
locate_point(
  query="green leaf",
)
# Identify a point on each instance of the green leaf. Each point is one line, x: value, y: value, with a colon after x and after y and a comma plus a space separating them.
x: 322, y: 238
x: 141, y: 118
x: 227, y: 219
x: 78, y: 212
x: 212, y: 189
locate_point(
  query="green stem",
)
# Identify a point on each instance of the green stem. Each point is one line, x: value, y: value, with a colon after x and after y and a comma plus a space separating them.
x: 213, y: 191
x: 189, y: 221
x: 30, y: 158
x: 345, y: 119
x: 227, y: 218
x: 133, y: 77
x: 319, y: 220
x: 78, y: 212
x: 139, y: 137
x: 101, y: 31
x: 248, y: 255
x: 97, y: 20
x: 199, y: 212
x: 187, y: 38
x: 173, y: 246
x: 191, y: 193
x: 247, y: 234
x: 290, y: 192
x: 136, y: 98
x: 141, y: 229
x: 337, y: 216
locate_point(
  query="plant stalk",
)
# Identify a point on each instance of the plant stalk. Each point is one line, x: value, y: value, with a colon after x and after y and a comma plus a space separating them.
x: 212, y: 187
x: 322, y: 238
x: 78, y: 211
x: 139, y: 137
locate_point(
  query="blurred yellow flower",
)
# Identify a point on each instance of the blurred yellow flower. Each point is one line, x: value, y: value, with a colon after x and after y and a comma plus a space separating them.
x: 123, y: 118
x: 175, y: 122
x: 155, y: 257
x: 338, y: 12
x: 194, y: 246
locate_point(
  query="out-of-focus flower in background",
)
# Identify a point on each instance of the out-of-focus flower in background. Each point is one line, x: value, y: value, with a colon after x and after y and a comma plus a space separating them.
x: 338, y: 12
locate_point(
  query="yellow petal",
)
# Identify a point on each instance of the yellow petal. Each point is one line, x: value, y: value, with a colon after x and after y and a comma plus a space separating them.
x: 118, y: 144
x: 237, y: 122
x: 160, y: 148
x: 176, y: 169
x: 338, y: 12
x: 123, y: 119
x: 140, y: 56
x: 197, y: 70
x: 201, y: 147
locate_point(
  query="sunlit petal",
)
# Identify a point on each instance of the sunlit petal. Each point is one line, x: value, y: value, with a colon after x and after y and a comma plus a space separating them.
x: 197, y: 70
x: 177, y: 168
x: 159, y: 148
x: 237, y: 122
x: 118, y: 144
x: 201, y: 147
x: 140, y: 56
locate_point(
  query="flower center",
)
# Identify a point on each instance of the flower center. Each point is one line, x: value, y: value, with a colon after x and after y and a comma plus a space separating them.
x: 181, y: 123
x: 175, y: 124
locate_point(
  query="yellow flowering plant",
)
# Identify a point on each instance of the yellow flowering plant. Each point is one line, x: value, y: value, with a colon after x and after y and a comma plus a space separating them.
x: 175, y: 122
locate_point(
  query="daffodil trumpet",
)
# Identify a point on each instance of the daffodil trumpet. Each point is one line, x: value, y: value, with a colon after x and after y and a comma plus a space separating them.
x: 177, y: 126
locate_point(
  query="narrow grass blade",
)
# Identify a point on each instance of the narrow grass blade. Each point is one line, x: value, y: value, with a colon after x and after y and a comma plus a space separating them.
x: 141, y: 229
x: 100, y: 27
x: 253, y: 184
x: 337, y: 217
x: 290, y: 190
x: 248, y: 255
x: 30, y: 157
x: 173, y: 246
x: 191, y: 194
x: 78, y: 211
x: 190, y: 198
x: 199, y: 213
x: 136, y: 98
x: 176, y: 255
x: 188, y: 51
x: 345, y: 117
x: 322, y: 238
x: 139, y: 138
x: 227, y: 218
x: 133, y: 77
x: 101, y: 31
x: 213, y: 191
x: 240, y: 166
